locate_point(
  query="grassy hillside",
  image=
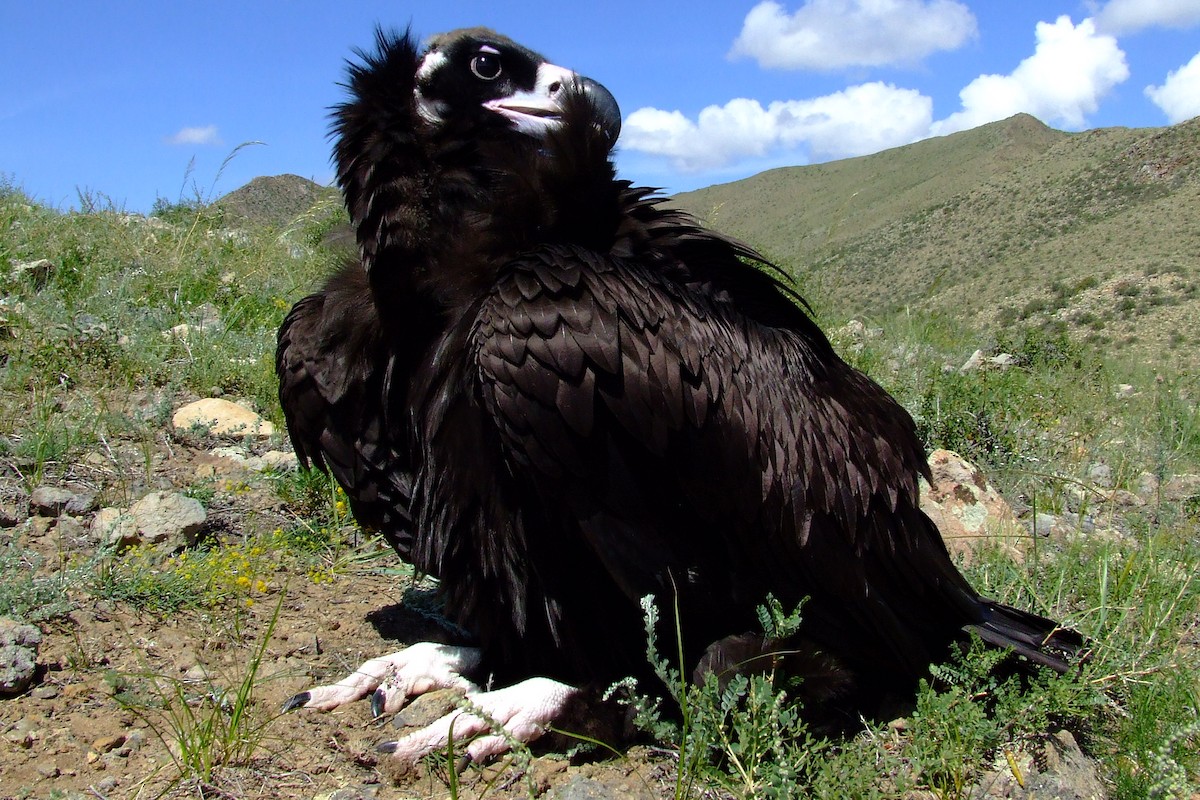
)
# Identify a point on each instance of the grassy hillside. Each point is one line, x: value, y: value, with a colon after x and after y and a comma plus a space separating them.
x: 92, y: 365
x: 1093, y: 232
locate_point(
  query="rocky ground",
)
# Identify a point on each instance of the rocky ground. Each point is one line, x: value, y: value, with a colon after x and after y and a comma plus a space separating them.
x: 93, y: 709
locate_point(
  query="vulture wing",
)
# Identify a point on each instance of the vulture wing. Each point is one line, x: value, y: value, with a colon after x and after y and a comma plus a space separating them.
x: 333, y: 365
x: 709, y: 459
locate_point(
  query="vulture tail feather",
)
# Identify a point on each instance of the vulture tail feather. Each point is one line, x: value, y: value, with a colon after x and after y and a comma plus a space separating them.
x: 1038, y: 639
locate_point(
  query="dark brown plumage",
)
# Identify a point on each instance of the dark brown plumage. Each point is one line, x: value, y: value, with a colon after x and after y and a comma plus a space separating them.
x: 558, y: 396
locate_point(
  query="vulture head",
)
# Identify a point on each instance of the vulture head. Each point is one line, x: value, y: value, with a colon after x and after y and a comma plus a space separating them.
x: 475, y: 78
x: 470, y: 142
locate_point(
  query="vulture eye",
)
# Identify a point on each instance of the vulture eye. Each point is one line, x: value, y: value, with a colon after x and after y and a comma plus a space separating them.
x: 486, y: 66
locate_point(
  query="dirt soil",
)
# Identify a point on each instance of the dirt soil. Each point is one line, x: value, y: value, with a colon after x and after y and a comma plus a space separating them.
x: 71, y: 736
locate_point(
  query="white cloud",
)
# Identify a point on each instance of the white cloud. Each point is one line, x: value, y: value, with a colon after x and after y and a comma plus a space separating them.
x: 1179, y: 96
x: 858, y: 120
x: 1130, y: 16
x: 202, y: 135
x: 833, y: 34
x: 1071, y: 69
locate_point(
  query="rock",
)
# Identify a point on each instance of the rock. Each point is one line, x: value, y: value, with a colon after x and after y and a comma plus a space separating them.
x: 967, y: 510
x: 1181, y: 487
x: 583, y: 788
x: 47, y: 691
x: 22, y: 733
x: 973, y: 363
x: 1063, y: 772
x: 221, y: 418
x: 1124, y: 391
x: 115, y: 527
x: 50, y: 501
x: 37, y: 271
x: 1043, y: 524
x: 348, y: 793
x: 1123, y: 499
x: 999, y: 361
x: 72, y: 534
x: 1100, y: 474
x: 1003, y: 360
x: 18, y: 655
x: 106, y: 744
x: 275, y: 460
x: 10, y: 516
x: 1147, y: 486
x: 168, y: 520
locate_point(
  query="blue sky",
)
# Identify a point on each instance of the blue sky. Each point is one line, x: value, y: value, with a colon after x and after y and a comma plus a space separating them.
x: 117, y: 99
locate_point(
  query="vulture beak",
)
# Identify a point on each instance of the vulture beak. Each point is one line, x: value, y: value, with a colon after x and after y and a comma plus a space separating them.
x: 540, y: 110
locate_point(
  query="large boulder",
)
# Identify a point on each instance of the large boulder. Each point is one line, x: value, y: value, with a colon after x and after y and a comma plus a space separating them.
x: 220, y: 417
x: 967, y: 510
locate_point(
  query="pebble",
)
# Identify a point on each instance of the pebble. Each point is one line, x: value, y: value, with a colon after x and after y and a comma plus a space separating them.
x: 23, y: 733
x: 47, y: 691
x: 106, y: 744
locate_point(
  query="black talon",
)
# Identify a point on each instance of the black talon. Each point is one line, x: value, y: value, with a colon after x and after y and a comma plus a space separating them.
x: 386, y: 747
x: 296, y: 701
x: 377, y: 700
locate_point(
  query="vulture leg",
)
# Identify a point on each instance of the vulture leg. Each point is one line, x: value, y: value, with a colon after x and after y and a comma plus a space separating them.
x: 524, y: 710
x: 392, y: 679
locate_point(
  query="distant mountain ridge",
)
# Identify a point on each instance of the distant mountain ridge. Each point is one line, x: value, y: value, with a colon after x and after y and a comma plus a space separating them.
x: 272, y: 201
x: 1008, y: 222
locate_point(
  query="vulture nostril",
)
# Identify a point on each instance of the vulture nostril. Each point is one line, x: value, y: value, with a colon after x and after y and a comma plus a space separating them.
x: 555, y: 87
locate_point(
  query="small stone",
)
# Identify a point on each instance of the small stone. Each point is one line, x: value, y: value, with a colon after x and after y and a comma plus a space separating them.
x: 134, y: 740
x: 1003, y: 361
x: 19, y: 644
x: 1100, y: 474
x: 23, y: 733
x: 973, y: 363
x: 106, y: 744
x: 276, y: 460
x: 1124, y: 391
x: 10, y: 516
x: 50, y: 501
x: 47, y: 691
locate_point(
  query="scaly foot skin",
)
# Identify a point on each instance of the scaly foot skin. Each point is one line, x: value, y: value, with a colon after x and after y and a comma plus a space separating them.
x: 392, y: 679
x: 525, y: 710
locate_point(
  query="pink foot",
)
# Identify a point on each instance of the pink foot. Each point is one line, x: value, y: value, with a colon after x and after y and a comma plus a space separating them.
x: 392, y: 679
x: 524, y: 711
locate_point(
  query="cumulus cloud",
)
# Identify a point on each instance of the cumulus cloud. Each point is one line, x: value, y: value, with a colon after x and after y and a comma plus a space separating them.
x: 834, y: 34
x: 1071, y: 69
x: 201, y: 135
x: 1129, y: 16
x: 855, y: 121
x: 1179, y: 96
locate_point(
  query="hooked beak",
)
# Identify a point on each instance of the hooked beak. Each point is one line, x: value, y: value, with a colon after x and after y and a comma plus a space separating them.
x: 540, y: 110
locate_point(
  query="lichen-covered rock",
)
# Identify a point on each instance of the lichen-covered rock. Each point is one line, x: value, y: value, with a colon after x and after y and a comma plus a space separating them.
x: 19, y: 644
x: 967, y: 510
